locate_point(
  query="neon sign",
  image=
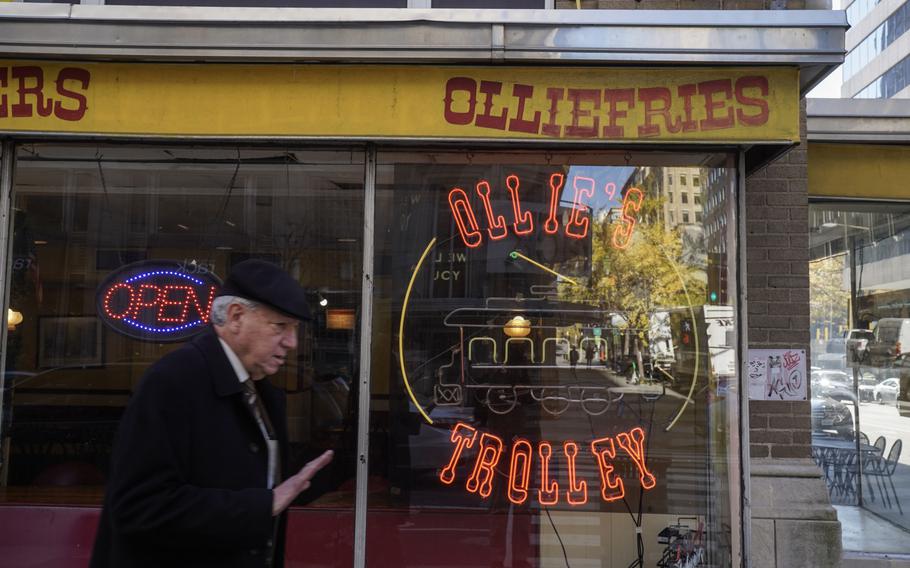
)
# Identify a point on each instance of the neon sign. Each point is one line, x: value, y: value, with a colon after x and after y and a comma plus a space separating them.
x: 577, y: 226
x: 157, y: 300
x: 490, y: 449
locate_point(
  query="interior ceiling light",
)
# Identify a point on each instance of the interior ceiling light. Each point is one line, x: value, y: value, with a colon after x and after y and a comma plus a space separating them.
x: 13, y: 318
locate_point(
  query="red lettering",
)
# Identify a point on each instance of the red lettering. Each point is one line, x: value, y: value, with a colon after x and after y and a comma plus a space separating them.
x: 106, y: 303
x: 191, y: 297
x: 487, y: 120
x: 613, y: 97
x: 463, y: 436
x: 460, y: 84
x: 611, y: 487
x: 622, y: 234
x: 577, y: 227
x: 519, y: 123
x: 687, y: 92
x: 577, y: 493
x: 140, y: 300
x: 4, y: 109
x: 577, y: 96
x: 524, y: 221
x: 481, y: 480
x: 464, y: 218
x: 520, y: 475
x: 496, y: 224
x: 71, y: 74
x: 708, y: 89
x: 650, y: 96
x: 551, y: 225
x: 752, y: 82
x: 548, y: 494
x: 164, y: 302
x: 633, y: 444
x: 23, y: 108
x: 551, y: 128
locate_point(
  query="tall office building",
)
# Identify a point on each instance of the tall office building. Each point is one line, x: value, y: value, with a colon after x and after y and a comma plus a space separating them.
x: 878, y: 50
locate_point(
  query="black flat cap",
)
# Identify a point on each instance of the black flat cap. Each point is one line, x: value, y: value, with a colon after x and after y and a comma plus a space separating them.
x: 267, y: 284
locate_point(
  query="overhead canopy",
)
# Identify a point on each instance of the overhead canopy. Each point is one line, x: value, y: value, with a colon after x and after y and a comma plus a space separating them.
x: 742, y: 72
x: 859, y: 148
x: 812, y: 40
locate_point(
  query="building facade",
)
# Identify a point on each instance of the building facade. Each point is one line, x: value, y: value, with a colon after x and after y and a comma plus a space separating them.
x: 524, y: 352
x: 877, y: 62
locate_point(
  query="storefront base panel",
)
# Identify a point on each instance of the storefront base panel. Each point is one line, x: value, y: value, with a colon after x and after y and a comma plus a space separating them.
x: 793, y: 522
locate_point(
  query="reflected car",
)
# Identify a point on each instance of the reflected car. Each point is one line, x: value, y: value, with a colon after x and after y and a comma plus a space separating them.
x: 835, y: 384
x: 867, y: 386
x: 887, y: 390
x: 832, y: 417
x: 857, y: 341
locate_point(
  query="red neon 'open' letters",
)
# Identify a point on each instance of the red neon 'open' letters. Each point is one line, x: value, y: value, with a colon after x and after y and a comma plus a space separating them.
x: 147, y: 296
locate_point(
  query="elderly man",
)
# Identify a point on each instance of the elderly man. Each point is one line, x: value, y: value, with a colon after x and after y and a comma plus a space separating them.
x: 196, y: 475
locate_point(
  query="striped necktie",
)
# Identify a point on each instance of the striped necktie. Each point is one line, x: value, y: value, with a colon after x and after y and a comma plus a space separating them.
x: 257, y: 409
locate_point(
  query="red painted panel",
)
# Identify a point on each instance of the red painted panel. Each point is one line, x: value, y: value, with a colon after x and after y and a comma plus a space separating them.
x: 47, y: 537
x: 61, y: 537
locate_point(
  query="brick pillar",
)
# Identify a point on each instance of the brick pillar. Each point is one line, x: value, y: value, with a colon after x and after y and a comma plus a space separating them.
x: 777, y: 264
x: 792, y: 521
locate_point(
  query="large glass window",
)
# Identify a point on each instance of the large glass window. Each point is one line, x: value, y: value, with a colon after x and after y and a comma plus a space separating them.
x: 553, y: 359
x: 860, y: 318
x: 84, y: 214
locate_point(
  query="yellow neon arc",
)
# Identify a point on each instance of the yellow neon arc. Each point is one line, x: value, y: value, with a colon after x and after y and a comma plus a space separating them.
x: 516, y: 254
x: 404, y: 311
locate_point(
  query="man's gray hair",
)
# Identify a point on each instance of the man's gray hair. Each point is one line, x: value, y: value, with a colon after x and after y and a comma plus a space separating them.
x: 220, y: 305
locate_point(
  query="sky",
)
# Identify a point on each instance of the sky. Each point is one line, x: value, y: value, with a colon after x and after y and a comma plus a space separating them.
x: 829, y: 88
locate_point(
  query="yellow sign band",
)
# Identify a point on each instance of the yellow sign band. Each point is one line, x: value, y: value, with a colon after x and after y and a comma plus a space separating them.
x: 398, y: 101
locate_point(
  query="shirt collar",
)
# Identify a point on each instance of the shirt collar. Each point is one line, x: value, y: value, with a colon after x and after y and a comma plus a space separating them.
x: 242, y: 373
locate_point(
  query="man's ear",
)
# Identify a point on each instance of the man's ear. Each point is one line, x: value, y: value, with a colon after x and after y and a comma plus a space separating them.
x: 234, y: 314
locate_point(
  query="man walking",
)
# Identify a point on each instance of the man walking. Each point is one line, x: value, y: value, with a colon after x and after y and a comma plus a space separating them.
x: 196, y: 474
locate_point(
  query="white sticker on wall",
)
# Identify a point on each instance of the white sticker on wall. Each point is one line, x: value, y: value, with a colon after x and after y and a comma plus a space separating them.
x: 777, y: 374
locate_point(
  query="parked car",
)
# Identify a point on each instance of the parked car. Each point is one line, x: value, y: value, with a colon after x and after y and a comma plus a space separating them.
x: 857, y: 340
x: 887, y: 390
x: 890, y: 337
x: 866, y: 387
x: 831, y: 416
x: 835, y: 384
x: 832, y: 361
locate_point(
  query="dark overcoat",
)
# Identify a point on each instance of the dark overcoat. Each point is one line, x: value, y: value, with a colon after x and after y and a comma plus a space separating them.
x: 188, y: 477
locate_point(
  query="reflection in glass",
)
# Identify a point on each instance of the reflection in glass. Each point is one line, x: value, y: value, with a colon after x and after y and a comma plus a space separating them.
x: 860, y: 324
x: 552, y: 360
x: 82, y: 213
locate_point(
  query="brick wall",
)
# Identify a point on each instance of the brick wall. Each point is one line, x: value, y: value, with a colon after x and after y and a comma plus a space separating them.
x: 777, y: 264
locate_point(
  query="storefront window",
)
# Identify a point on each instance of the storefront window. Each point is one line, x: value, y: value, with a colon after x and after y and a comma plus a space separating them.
x: 860, y: 317
x: 91, y: 224
x: 554, y: 370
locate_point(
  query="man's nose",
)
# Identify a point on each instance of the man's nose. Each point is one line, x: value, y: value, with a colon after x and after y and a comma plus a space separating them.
x: 289, y: 339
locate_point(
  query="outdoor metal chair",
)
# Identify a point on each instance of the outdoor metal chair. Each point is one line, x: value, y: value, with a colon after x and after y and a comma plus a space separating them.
x: 885, y: 471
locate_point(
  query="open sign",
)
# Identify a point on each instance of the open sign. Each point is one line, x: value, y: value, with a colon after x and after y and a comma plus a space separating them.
x: 158, y: 300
